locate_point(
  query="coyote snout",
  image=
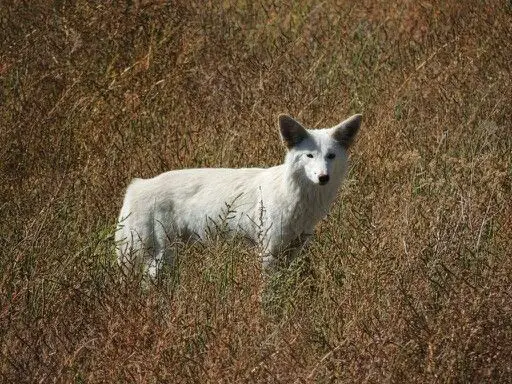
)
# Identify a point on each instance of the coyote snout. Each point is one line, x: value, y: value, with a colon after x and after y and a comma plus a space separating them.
x: 274, y: 207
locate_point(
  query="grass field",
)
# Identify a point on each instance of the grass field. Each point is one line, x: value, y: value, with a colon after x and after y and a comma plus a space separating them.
x: 409, y: 279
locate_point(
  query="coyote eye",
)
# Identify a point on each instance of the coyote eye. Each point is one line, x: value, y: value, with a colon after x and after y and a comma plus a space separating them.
x: 310, y: 155
x: 331, y: 156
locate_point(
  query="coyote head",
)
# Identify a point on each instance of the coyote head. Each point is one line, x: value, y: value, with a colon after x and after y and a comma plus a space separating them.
x: 319, y: 155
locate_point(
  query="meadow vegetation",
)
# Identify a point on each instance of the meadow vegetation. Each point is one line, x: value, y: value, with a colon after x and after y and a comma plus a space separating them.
x: 408, y: 279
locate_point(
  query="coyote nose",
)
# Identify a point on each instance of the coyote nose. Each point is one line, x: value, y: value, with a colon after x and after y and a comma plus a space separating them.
x: 323, y: 179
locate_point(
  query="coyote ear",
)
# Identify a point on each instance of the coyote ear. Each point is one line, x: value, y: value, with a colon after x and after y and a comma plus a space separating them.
x: 345, y: 132
x: 292, y: 132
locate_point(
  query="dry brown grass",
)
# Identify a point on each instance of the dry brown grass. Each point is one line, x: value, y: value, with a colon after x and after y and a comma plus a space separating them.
x: 409, y: 279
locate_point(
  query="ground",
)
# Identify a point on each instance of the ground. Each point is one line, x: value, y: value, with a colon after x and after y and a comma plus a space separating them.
x: 407, y: 280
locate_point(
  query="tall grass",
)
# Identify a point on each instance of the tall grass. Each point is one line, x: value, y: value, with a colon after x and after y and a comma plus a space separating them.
x: 407, y: 280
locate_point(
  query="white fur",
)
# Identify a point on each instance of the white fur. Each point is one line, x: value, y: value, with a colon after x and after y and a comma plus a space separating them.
x: 273, y: 207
